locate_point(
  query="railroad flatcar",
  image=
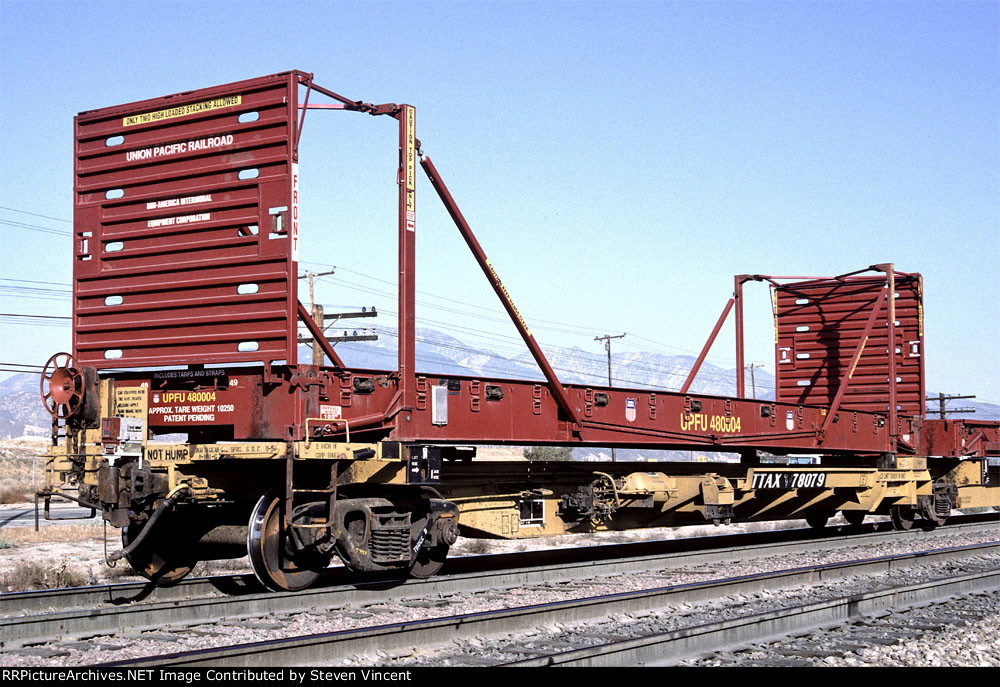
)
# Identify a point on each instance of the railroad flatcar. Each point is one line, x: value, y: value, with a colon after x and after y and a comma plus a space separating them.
x: 183, y: 414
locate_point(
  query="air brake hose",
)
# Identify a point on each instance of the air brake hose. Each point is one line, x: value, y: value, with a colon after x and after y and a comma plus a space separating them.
x: 167, y: 504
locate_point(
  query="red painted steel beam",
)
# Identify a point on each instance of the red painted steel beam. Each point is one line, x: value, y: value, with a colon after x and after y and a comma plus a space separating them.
x: 558, y: 392
x: 890, y: 285
x: 407, y: 289
x: 707, y: 346
x: 738, y: 298
x: 663, y: 420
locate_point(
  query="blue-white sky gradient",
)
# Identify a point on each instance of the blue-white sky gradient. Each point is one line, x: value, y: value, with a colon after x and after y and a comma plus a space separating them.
x: 619, y: 162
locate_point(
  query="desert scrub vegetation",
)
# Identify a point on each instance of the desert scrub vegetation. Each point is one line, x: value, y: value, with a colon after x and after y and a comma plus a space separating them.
x: 22, y: 471
x: 17, y: 536
x: 16, y: 493
x: 29, y: 575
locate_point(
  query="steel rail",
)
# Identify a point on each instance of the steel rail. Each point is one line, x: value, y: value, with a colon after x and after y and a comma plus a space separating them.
x: 107, y: 609
x: 681, y: 552
x: 670, y: 648
x: 365, y: 642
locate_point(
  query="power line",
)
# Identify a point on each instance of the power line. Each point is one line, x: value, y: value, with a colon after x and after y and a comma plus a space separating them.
x: 15, y: 367
x: 35, y: 214
x: 44, y: 317
x: 943, y: 399
x: 563, y: 327
x: 35, y: 281
x: 478, y: 332
x: 567, y: 353
x: 35, y: 227
x: 560, y: 327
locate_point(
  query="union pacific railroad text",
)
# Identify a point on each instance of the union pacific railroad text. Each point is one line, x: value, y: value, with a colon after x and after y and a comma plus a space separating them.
x: 176, y: 148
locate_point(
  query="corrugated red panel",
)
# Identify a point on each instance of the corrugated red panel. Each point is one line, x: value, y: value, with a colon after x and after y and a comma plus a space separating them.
x: 819, y: 324
x: 185, y: 250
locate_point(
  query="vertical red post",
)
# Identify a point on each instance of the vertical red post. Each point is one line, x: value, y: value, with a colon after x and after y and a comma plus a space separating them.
x: 407, y: 256
x: 890, y: 276
x: 738, y: 298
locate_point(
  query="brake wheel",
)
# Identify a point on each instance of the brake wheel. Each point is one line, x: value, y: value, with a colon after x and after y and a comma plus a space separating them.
x: 62, y: 386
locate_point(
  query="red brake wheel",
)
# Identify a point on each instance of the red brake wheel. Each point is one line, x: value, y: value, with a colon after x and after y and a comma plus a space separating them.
x: 62, y: 386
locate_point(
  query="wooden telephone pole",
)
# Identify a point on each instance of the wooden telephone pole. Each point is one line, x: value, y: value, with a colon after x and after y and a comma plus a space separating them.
x: 320, y: 318
x: 942, y: 399
x: 607, y: 346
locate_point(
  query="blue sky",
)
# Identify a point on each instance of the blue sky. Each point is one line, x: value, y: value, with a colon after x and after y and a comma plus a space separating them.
x: 619, y: 162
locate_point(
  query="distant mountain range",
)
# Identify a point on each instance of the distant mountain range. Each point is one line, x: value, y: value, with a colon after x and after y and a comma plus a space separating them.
x: 21, y: 409
x: 444, y: 354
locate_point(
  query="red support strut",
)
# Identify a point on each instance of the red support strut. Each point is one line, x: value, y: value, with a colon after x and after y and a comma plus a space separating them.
x: 558, y: 392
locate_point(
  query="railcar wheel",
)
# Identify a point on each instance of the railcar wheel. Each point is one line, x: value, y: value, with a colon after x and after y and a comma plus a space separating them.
x: 162, y: 558
x: 269, y: 548
x: 429, y: 561
x: 902, y: 517
x: 817, y: 521
x: 854, y: 518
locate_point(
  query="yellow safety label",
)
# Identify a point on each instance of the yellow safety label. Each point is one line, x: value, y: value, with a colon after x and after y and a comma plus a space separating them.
x: 182, y: 110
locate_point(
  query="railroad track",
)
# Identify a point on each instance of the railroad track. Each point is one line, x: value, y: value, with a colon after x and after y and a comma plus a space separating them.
x: 670, y: 648
x: 899, y: 637
x: 542, y: 631
x: 634, y: 556
x: 482, y: 573
x: 39, y: 617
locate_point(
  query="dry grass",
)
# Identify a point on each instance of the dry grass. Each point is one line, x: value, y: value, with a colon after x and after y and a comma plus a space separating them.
x: 30, y: 575
x: 16, y: 493
x: 22, y: 470
x: 60, y: 534
x: 122, y: 572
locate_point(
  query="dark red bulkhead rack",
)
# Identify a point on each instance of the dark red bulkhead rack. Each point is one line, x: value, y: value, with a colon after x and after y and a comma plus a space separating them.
x: 186, y: 250
x: 185, y: 239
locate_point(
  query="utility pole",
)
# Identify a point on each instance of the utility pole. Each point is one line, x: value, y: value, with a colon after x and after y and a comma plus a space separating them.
x: 942, y: 400
x: 753, y: 384
x: 316, y: 311
x: 607, y: 346
x: 320, y: 318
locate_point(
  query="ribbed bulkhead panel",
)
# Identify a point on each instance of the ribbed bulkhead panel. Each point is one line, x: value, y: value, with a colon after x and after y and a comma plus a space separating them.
x: 185, y: 228
x: 819, y: 325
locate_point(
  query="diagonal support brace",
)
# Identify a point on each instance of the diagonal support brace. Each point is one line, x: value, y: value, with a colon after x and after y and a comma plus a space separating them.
x: 858, y: 350
x: 707, y: 346
x: 558, y: 392
x: 319, y: 337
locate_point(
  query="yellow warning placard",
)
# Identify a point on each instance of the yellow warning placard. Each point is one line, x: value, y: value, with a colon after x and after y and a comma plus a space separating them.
x: 409, y: 128
x: 182, y: 110
x: 131, y: 401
